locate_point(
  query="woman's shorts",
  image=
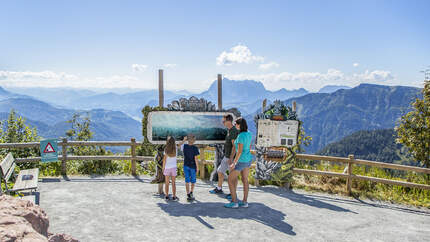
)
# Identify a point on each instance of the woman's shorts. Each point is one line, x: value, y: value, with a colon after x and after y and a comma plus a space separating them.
x: 242, y: 165
x: 170, y: 171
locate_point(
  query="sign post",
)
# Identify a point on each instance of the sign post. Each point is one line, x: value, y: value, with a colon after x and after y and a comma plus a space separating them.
x: 49, y: 150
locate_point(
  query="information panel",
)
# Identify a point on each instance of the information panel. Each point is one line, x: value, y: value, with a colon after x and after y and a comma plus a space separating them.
x: 206, y: 126
x: 277, y: 133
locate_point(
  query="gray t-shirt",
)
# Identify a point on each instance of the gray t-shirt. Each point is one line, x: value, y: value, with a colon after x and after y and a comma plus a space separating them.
x: 231, y: 135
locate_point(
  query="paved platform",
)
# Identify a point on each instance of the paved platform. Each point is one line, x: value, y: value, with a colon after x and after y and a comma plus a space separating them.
x: 126, y: 208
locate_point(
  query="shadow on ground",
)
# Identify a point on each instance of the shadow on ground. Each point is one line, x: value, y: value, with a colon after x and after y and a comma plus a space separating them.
x: 304, y: 199
x: 320, y: 201
x: 257, y: 212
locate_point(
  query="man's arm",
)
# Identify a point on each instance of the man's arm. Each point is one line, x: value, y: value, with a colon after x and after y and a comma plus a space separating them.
x: 233, y: 152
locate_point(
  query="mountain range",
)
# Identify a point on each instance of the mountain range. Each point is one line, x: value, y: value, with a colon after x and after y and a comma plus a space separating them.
x: 50, y: 121
x: 115, y: 115
x: 245, y: 95
x: 329, y: 115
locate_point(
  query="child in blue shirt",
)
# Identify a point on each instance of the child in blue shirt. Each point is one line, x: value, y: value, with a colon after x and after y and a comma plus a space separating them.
x: 191, y: 164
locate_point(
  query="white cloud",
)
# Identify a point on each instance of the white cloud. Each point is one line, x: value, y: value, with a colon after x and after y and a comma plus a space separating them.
x: 169, y: 65
x: 268, y: 66
x: 238, y: 54
x: 374, y: 76
x: 139, y: 67
x: 52, y: 79
x: 313, y: 81
x: 45, y: 75
x: 355, y: 64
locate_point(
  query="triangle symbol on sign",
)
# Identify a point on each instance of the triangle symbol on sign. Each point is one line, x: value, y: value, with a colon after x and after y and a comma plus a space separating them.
x: 49, y: 149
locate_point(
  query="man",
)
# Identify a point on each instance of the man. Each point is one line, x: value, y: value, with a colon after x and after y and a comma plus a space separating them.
x: 229, y: 152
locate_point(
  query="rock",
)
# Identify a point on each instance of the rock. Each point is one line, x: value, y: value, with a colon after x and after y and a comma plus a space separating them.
x: 21, y: 220
x: 61, y: 238
x: 13, y: 228
x: 25, y: 209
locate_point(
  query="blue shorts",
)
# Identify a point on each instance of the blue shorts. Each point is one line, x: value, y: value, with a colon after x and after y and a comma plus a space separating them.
x: 242, y: 165
x: 190, y: 174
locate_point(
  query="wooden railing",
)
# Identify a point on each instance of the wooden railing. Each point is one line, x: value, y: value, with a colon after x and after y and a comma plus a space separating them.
x: 64, y: 157
x: 348, y: 174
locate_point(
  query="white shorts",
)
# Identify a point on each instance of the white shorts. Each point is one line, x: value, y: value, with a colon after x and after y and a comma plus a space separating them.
x: 223, y: 167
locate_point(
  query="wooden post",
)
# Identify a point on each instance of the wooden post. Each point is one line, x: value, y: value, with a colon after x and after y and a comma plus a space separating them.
x: 133, y: 156
x: 294, y: 106
x: 64, y: 158
x: 160, y: 104
x: 202, y: 163
x: 219, y: 92
x: 349, y: 179
x: 160, y: 88
x: 263, y: 108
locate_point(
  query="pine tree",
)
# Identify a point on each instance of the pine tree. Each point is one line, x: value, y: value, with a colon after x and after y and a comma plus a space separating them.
x: 414, y: 128
x: 80, y: 131
x: 17, y: 131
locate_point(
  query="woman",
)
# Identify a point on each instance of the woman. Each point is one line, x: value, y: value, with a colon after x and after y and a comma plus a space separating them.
x: 240, y: 165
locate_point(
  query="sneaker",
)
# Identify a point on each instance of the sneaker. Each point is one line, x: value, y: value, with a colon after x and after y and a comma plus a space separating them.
x: 167, y: 198
x: 231, y: 205
x: 175, y: 199
x: 190, y: 197
x: 228, y: 197
x: 216, y: 191
x: 243, y: 204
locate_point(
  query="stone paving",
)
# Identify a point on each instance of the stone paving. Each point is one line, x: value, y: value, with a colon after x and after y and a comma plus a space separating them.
x: 126, y: 208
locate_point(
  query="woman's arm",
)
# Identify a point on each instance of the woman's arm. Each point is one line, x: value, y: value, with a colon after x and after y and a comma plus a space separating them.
x: 238, y: 154
x: 164, y: 161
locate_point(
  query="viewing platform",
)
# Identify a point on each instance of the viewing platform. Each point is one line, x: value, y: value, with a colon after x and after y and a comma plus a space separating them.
x: 127, y: 208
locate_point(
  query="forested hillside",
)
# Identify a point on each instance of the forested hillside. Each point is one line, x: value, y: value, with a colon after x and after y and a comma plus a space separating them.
x: 377, y: 145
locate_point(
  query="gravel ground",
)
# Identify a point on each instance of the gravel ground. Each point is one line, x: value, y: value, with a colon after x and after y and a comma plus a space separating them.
x: 126, y: 208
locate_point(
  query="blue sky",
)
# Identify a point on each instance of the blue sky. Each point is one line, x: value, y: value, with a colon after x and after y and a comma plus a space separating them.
x: 284, y: 44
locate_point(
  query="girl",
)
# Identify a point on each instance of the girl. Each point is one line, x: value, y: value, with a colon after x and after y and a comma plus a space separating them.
x: 169, y: 167
x: 240, y: 165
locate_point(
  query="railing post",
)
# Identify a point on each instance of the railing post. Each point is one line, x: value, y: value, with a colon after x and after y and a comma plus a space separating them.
x: 64, y: 158
x: 160, y: 88
x: 133, y: 156
x: 349, y: 172
x: 219, y: 92
x: 202, y: 163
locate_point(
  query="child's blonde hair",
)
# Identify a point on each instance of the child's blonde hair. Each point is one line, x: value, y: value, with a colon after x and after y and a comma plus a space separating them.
x: 170, y: 147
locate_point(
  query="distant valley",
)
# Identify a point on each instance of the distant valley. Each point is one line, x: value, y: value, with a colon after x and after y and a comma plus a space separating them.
x: 245, y: 95
x: 329, y: 115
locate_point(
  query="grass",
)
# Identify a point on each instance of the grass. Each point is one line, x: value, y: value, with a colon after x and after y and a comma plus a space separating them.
x: 366, y: 189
